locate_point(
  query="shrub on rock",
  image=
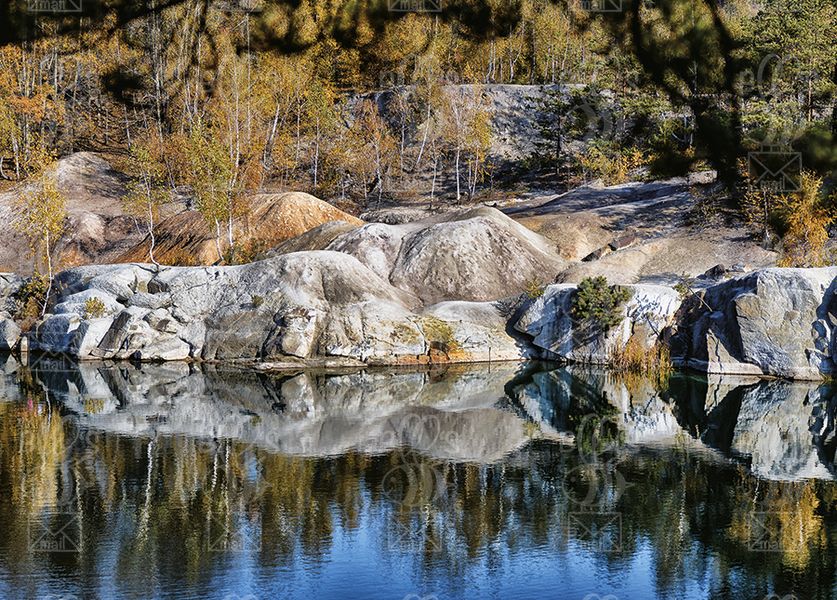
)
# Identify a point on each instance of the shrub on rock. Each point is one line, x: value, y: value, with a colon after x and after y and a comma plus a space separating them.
x: 599, y: 303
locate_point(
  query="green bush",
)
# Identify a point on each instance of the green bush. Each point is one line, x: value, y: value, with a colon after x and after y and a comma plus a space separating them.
x: 94, y: 308
x: 534, y: 288
x: 599, y: 303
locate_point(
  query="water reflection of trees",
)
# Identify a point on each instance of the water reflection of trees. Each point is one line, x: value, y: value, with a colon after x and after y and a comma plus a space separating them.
x: 165, y: 503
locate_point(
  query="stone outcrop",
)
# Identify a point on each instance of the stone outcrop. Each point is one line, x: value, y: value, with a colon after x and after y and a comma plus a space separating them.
x: 476, y: 254
x: 376, y: 301
x: 639, y: 232
x: 777, y: 322
x: 550, y: 323
x: 299, y: 307
x: 97, y: 228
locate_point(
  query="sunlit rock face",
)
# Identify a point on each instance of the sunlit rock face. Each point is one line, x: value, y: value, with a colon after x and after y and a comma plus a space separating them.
x: 348, y: 308
x: 550, y: 323
x: 318, y: 307
x: 777, y: 322
x: 771, y: 322
x: 475, y: 254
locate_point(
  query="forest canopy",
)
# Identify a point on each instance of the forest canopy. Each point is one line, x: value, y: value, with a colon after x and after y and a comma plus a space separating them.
x: 287, y: 91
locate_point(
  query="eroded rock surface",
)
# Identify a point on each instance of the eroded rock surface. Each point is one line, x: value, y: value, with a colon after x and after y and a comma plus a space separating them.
x: 550, y: 323
x: 476, y: 254
x: 444, y: 290
x: 772, y: 322
x: 304, y: 306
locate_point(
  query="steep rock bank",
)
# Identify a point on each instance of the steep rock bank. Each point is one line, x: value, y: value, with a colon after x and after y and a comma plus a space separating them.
x: 775, y: 322
x: 550, y: 323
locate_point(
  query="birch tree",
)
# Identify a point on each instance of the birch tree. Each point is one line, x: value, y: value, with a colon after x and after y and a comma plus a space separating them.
x: 39, y: 216
x: 146, y: 193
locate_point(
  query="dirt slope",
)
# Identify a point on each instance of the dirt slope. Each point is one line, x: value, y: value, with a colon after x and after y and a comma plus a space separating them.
x: 187, y: 239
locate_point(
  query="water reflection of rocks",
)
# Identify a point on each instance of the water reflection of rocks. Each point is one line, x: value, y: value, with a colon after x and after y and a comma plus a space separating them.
x: 780, y: 429
x: 440, y: 465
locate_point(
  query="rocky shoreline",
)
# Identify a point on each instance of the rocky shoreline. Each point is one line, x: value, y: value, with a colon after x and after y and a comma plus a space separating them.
x: 328, y: 308
x: 460, y: 287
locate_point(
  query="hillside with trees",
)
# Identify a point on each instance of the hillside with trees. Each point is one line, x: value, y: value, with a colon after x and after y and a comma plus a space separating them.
x: 202, y: 105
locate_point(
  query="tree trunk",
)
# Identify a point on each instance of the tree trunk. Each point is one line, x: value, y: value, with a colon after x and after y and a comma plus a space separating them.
x: 424, y: 139
x: 230, y: 239
x: 218, y: 241
x: 49, y: 276
x: 433, y: 185
x: 316, y: 153
x: 151, y: 235
x: 458, y: 193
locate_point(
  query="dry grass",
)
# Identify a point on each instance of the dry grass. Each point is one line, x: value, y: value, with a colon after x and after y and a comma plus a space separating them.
x: 535, y: 288
x: 637, y: 360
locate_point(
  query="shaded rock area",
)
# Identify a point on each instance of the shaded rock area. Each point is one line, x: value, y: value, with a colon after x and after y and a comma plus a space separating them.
x: 640, y: 232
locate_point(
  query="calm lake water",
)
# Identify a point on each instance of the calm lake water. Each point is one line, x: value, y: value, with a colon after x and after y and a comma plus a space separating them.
x: 514, y: 481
